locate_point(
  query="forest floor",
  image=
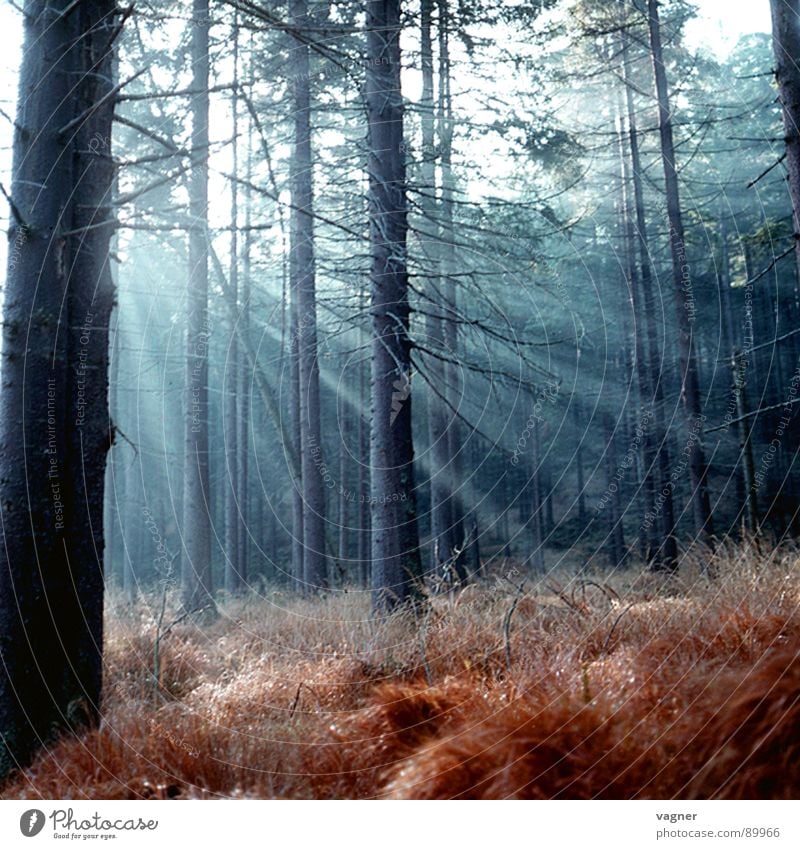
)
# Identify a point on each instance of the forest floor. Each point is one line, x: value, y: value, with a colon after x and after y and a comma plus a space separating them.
x: 618, y: 686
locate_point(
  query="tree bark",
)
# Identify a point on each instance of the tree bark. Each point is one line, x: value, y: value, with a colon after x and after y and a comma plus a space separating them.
x: 786, y: 47
x: 667, y: 555
x: 684, y: 298
x: 244, y: 385
x: 744, y: 429
x: 537, y: 519
x: 303, y: 284
x: 298, y: 549
x: 547, y: 500
x: 196, y: 585
x: 233, y: 491
x: 343, y: 489
x: 616, y: 534
x: 442, y: 531
x: 396, y: 566
x: 738, y: 363
x: 453, y: 385
x: 55, y: 430
x: 648, y: 536
x: 364, y: 536
x: 579, y: 470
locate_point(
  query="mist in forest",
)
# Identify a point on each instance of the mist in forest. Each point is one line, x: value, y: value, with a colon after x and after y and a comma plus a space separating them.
x: 417, y: 381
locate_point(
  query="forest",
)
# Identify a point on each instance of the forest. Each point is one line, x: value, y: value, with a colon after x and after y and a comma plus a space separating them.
x: 399, y: 400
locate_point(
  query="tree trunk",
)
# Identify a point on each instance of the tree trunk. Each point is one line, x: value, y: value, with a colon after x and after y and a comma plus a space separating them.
x: 738, y: 364
x: 616, y: 534
x: 547, y: 501
x: 121, y: 484
x: 472, y: 543
x: 580, y: 435
x: 302, y: 274
x: 786, y: 47
x: 55, y: 430
x: 667, y: 555
x: 744, y: 429
x: 114, y: 554
x: 343, y: 490
x: 684, y: 298
x: 196, y: 586
x: 364, y: 536
x: 114, y: 577
x: 244, y: 385
x: 644, y: 428
x: 233, y: 491
x: 298, y: 549
x: 537, y: 551
x: 396, y: 566
x: 442, y: 536
x: 452, y: 386
x: 505, y: 520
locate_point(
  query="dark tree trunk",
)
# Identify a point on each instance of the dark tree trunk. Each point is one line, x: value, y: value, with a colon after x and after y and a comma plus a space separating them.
x: 748, y: 334
x: 472, y: 542
x: 442, y: 532
x: 580, y: 435
x: 114, y: 576
x: 232, y: 488
x: 233, y: 491
x: 738, y: 364
x: 315, y: 567
x: 644, y: 428
x: 547, y: 501
x: 667, y: 555
x: 196, y: 586
x: 684, y: 297
x: 453, y: 384
x: 122, y: 487
x: 396, y: 566
x: 55, y: 430
x: 617, y: 552
x: 244, y: 384
x: 786, y: 47
x: 744, y: 430
x: 537, y: 520
x: 364, y: 536
x: 503, y: 525
x: 298, y: 550
x: 343, y: 491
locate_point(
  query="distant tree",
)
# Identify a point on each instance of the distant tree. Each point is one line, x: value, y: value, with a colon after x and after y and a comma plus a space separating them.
x: 537, y: 508
x: 54, y: 428
x: 739, y: 385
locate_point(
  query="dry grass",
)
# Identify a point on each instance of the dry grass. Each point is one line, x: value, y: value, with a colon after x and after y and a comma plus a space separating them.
x: 630, y: 686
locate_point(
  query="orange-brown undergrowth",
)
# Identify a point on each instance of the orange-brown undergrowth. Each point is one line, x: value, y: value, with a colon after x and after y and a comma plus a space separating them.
x: 622, y: 687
